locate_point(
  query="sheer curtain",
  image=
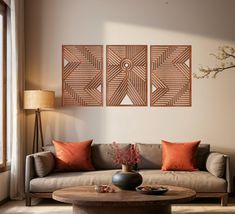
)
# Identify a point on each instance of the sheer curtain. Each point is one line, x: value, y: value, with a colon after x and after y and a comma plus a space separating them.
x: 16, y: 119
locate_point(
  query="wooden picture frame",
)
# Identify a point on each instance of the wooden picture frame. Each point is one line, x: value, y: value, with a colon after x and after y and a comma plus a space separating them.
x: 126, y: 75
x: 170, y: 75
x: 82, y: 75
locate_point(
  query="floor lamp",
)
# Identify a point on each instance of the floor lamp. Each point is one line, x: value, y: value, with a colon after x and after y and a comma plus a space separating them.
x: 38, y: 100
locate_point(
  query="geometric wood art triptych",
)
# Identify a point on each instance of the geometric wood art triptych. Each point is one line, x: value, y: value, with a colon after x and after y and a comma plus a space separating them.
x: 126, y: 75
x: 82, y: 75
x: 170, y: 74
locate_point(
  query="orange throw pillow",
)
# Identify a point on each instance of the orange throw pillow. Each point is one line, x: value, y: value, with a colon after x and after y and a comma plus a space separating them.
x: 179, y: 156
x: 73, y: 156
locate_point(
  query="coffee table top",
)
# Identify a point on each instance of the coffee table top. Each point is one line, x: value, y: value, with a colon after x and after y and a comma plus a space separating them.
x: 87, y: 196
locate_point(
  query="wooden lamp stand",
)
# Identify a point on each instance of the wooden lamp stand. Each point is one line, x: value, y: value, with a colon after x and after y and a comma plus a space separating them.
x: 38, y: 136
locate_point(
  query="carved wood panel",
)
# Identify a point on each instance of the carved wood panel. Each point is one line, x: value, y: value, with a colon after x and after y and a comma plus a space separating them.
x: 82, y: 75
x: 126, y: 77
x: 170, y: 75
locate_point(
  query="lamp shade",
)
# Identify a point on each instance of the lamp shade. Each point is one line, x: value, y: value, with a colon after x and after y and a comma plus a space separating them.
x: 39, y: 99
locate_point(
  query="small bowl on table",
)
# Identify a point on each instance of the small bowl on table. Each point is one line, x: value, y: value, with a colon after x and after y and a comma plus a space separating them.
x: 104, y: 189
x: 149, y: 190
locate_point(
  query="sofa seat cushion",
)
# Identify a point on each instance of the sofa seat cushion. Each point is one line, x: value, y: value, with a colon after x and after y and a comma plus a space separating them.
x: 200, y: 181
x: 61, y: 180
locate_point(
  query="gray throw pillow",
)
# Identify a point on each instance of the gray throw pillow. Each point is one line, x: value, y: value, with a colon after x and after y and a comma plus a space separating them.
x: 44, y: 163
x: 215, y: 164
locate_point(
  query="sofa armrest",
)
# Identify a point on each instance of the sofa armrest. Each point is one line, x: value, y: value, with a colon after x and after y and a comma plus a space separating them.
x: 29, y: 171
x: 38, y: 164
x: 218, y: 164
x: 228, y: 174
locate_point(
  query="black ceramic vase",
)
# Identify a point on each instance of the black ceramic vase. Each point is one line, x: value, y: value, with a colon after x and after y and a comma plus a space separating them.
x: 127, y: 179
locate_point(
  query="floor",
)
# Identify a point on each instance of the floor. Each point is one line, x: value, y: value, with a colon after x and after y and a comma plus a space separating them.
x: 52, y: 207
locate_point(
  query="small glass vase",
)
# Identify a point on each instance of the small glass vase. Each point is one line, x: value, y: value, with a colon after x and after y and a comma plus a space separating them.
x: 127, y: 179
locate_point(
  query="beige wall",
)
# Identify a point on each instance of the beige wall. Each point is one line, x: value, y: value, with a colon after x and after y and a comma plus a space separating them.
x: 204, y: 24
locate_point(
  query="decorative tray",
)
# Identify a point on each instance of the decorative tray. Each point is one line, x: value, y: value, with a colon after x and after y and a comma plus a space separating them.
x: 148, y: 190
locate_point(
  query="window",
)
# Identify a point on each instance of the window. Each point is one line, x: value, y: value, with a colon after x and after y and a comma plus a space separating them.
x: 3, y: 42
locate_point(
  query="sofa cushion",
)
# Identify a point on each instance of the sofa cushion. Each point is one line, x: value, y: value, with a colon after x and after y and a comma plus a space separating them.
x: 200, y: 181
x: 150, y: 156
x: 44, y: 163
x: 73, y: 156
x: 215, y: 164
x: 179, y: 156
x: 103, y: 154
x: 50, y: 148
x: 60, y: 180
x: 202, y: 154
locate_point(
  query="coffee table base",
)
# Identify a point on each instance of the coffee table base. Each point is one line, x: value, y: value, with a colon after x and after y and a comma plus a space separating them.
x: 161, y: 209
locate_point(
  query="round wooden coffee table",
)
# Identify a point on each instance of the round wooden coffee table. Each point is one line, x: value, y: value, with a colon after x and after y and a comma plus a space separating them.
x: 86, y: 200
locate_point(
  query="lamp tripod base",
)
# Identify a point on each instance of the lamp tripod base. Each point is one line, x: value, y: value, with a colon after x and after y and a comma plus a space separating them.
x: 38, y: 142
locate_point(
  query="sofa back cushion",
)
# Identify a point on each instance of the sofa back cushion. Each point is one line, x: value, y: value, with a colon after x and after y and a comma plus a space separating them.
x: 201, y: 156
x: 151, y: 156
x: 50, y: 148
x: 103, y: 154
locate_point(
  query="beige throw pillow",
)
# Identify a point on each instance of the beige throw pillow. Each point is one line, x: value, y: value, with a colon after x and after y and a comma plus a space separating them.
x: 215, y: 164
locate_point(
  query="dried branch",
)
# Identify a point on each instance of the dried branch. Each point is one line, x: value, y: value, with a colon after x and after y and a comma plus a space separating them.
x: 226, y: 56
x: 130, y: 156
x: 213, y: 71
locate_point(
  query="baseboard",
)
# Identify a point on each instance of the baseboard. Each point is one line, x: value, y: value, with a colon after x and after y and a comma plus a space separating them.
x: 4, y: 201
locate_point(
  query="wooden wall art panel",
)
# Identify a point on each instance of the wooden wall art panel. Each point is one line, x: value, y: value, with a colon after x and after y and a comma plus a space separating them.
x: 82, y: 75
x: 126, y: 75
x: 170, y: 75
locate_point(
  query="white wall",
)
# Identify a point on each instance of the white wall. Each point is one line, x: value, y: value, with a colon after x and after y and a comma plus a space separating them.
x: 4, y: 185
x: 204, y: 24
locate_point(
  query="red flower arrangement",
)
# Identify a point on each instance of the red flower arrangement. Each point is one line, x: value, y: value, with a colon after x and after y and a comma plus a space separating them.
x: 130, y: 156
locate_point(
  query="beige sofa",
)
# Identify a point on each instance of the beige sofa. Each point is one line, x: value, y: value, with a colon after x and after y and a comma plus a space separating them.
x: 211, y: 180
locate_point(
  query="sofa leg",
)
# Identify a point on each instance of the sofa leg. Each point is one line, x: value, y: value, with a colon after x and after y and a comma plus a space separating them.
x: 28, y: 201
x: 224, y: 200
